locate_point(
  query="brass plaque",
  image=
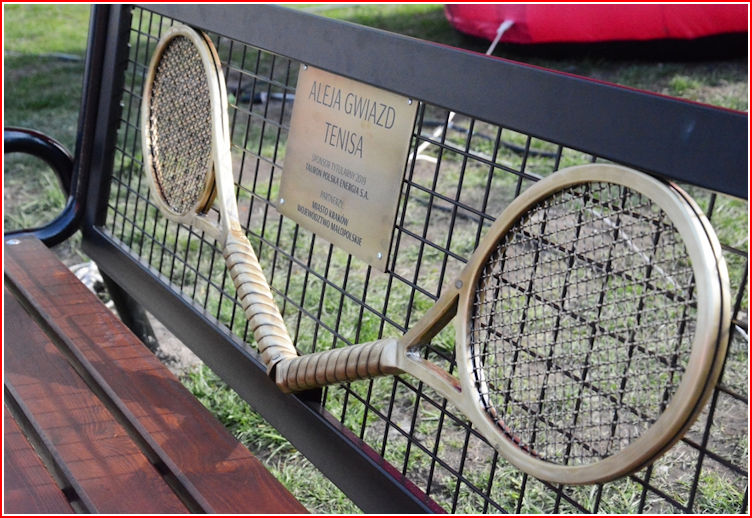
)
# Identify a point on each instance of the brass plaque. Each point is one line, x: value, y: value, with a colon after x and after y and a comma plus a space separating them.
x: 346, y: 152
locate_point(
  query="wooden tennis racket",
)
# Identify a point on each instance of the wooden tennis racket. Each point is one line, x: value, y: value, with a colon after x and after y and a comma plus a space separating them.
x: 592, y: 323
x: 186, y: 148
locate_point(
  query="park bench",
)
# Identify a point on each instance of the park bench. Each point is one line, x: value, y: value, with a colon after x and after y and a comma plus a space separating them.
x: 117, y: 431
x: 94, y: 423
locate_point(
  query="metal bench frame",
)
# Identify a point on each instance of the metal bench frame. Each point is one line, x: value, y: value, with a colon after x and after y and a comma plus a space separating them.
x: 669, y: 137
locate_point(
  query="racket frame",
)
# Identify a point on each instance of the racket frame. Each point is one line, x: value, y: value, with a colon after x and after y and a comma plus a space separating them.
x: 219, y: 182
x: 703, y: 367
x: 252, y: 289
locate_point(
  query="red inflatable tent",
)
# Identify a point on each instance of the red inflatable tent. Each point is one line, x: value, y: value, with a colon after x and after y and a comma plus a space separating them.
x: 591, y: 23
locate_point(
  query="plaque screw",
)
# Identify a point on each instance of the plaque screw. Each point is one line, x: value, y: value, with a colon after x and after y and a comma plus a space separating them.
x: 379, y: 255
x: 458, y: 284
x: 409, y: 101
x: 281, y: 201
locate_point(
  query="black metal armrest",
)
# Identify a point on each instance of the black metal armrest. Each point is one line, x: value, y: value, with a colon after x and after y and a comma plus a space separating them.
x: 39, y: 145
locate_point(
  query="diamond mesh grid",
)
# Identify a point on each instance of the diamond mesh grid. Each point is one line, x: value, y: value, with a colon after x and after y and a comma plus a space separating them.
x: 180, y: 127
x: 583, y: 323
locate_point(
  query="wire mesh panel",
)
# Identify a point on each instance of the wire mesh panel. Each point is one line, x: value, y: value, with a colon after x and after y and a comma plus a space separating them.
x: 461, y: 172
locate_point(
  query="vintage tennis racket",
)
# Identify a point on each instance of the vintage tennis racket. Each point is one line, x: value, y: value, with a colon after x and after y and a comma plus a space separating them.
x: 186, y: 148
x: 592, y: 323
x: 593, y: 318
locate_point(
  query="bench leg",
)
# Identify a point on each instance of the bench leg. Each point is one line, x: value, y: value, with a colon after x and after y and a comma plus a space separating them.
x: 131, y: 313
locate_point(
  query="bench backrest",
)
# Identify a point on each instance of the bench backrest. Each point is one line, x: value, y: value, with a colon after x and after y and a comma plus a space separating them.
x: 392, y: 444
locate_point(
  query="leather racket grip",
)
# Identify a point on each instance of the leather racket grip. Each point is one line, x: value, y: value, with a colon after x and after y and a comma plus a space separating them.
x: 340, y: 365
x: 253, y: 292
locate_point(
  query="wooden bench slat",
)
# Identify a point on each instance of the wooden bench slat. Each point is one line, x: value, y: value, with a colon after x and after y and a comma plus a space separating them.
x: 220, y: 473
x: 28, y: 486
x: 109, y: 468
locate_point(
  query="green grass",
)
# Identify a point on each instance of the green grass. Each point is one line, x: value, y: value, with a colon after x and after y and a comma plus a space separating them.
x: 38, y: 196
x: 38, y: 29
x: 718, y: 494
x: 721, y: 82
x: 44, y: 47
x: 42, y: 91
x: 425, y: 21
x: 44, y: 62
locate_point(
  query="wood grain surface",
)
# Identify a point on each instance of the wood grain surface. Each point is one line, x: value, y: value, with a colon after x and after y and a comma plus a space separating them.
x: 207, y: 467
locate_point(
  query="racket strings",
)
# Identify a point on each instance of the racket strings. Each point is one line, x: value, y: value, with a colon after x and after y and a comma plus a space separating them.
x: 180, y: 126
x: 583, y: 323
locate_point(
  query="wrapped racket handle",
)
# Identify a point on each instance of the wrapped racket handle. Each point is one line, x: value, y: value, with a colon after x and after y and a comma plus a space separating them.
x: 352, y: 363
x: 269, y: 330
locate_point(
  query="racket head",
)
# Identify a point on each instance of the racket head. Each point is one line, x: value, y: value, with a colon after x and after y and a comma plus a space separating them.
x: 593, y: 323
x: 181, y: 115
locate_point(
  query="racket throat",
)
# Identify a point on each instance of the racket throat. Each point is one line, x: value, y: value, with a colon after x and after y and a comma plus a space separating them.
x: 412, y: 362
